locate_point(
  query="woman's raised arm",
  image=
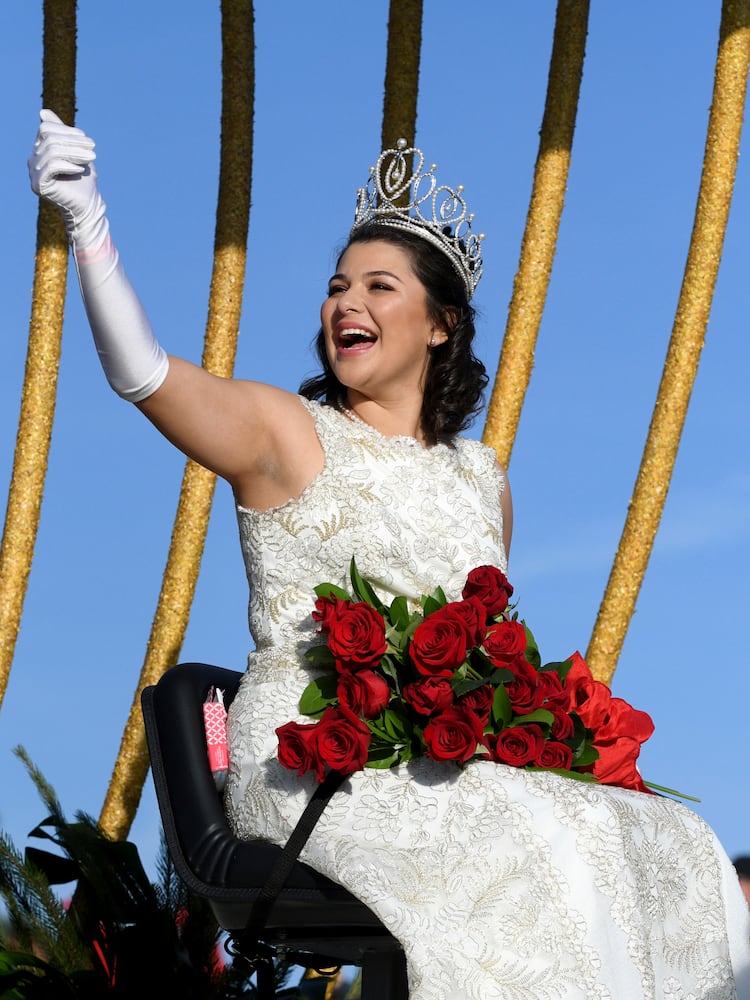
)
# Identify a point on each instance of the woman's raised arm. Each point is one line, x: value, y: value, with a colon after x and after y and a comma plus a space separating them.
x: 244, y: 431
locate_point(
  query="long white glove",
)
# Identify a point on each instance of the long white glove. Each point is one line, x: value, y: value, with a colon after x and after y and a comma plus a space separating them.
x: 61, y: 170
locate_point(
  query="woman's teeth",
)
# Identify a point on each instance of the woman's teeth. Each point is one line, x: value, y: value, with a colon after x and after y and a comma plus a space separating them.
x: 348, y: 338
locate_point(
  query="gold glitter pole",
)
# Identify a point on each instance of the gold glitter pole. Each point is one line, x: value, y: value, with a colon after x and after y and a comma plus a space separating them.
x: 43, y: 354
x: 402, y: 72
x: 688, y: 333
x: 225, y: 302
x: 542, y: 225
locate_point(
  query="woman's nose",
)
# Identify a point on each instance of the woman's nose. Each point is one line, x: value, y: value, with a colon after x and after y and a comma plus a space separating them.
x: 349, y: 301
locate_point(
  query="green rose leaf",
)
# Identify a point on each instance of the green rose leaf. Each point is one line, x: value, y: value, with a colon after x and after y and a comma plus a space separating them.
x: 532, y: 650
x: 318, y: 695
x: 320, y: 656
x: 331, y: 590
x: 434, y: 602
x: 396, y: 723
x: 363, y: 590
x: 399, y: 613
x: 540, y: 715
x: 382, y: 758
x: 462, y: 686
x: 557, y: 667
x: 563, y: 668
x: 391, y: 671
x: 502, y: 711
x: 586, y: 756
x: 500, y: 675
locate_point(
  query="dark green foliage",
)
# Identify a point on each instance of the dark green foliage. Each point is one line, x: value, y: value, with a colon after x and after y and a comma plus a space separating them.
x: 120, y: 936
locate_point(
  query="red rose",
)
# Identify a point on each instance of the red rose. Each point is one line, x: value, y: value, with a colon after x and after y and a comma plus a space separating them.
x: 505, y: 641
x: 438, y: 646
x: 491, y: 587
x: 554, y: 755
x: 479, y: 701
x: 341, y: 740
x: 356, y: 635
x: 365, y: 693
x: 555, y: 695
x: 525, y: 690
x: 296, y: 747
x: 562, y: 727
x: 517, y: 746
x: 429, y: 695
x: 327, y: 610
x: 453, y: 735
x: 472, y: 614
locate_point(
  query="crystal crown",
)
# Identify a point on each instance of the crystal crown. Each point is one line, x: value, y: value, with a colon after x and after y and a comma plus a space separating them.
x: 409, y: 197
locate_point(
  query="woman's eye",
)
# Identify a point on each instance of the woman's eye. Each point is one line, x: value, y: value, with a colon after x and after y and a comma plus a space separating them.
x: 335, y: 290
x: 382, y: 286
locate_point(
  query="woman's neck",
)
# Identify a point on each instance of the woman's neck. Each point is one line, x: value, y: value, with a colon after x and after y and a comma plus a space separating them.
x: 400, y: 418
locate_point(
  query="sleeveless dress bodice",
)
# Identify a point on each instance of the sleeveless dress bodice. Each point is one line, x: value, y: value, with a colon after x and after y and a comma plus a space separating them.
x: 365, y: 503
x: 500, y: 882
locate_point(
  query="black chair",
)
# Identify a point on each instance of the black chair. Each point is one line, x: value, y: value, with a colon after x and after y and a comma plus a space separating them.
x: 313, y: 922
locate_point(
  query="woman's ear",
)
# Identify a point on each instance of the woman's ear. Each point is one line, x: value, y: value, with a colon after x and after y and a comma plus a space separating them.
x: 442, y: 328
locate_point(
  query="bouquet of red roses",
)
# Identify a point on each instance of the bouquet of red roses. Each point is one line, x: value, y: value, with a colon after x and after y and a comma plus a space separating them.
x: 455, y: 681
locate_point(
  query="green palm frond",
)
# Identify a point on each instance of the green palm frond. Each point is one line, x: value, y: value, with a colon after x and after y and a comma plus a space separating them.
x: 37, y: 920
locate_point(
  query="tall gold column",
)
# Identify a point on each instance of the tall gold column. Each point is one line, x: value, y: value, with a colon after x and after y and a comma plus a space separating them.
x: 542, y: 226
x: 402, y: 72
x: 688, y: 333
x: 43, y: 353
x: 196, y: 495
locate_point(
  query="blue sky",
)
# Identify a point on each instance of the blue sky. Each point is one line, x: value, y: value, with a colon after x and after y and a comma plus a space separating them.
x: 148, y: 91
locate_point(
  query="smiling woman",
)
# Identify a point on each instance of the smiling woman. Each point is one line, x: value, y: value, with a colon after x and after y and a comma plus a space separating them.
x: 561, y: 888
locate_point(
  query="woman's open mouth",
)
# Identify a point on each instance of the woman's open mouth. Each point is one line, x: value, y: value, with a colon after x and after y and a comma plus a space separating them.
x: 354, y: 339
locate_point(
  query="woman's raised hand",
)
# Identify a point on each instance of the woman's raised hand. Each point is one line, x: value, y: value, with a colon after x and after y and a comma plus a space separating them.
x: 61, y: 169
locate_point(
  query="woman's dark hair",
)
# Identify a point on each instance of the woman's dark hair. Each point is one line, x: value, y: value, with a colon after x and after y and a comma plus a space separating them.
x: 455, y: 378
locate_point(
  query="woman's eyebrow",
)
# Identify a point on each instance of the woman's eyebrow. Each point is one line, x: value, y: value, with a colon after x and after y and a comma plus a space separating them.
x: 377, y: 274
x: 368, y: 274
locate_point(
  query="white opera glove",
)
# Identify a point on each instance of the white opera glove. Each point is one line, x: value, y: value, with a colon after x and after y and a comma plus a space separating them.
x: 61, y: 170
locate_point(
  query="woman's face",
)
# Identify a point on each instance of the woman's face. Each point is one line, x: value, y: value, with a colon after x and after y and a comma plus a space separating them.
x: 375, y: 322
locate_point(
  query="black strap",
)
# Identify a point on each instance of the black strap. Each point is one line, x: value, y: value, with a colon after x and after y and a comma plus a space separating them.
x: 246, y: 946
x: 291, y: 851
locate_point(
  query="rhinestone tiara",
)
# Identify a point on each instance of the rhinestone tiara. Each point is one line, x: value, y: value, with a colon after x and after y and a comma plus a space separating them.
x: 435, y: 212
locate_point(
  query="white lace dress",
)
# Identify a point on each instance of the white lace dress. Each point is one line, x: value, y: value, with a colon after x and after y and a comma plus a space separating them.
x: 501, y: 883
